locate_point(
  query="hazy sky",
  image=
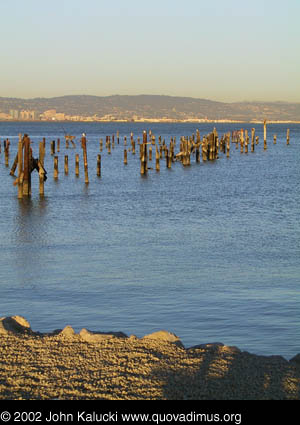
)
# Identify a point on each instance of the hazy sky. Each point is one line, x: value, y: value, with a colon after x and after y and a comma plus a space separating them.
x: 227, y: 50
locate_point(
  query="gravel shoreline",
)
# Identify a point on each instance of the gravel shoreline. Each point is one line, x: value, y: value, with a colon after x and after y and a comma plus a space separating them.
x: 96, y: 365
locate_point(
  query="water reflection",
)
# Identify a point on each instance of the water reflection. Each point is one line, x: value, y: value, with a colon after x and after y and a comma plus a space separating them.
x: 30, y: 220
x: 30, y: 238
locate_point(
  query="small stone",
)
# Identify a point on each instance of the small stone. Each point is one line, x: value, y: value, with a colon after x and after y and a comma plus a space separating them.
x: 164, y: 336
x: 14, y: 324
x: 68, y: 331
x: 90, y: 336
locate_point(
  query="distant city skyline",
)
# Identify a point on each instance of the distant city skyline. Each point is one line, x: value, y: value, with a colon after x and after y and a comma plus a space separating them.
x: 227, y: 51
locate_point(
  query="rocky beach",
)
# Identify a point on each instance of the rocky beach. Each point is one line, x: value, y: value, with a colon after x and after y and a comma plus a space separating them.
x: 97, y: 365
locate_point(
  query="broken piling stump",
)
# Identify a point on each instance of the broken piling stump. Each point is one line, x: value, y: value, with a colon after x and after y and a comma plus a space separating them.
x: 99, y: 165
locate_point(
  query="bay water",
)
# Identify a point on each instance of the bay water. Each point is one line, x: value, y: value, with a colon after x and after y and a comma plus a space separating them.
x: 210, y: 252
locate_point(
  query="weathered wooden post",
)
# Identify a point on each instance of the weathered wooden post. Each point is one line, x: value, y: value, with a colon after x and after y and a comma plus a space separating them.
x: 246, y: 141
x: 58, y: 145
x: 6, y: 151
x: 274, y: 139
x: 242, y: 140
x: 99, y: 165
x: 118, y: 137
x: 204, y: 149
x: 288, y: 136
x: 265, y: 134
x: 77, y: 165
x: 211, y: 141
x: 228, y: 145
x: 197, y: 152
x: 167, y: 157
x: 85, y: 161
x: 108, y: 146
x: 53, y: 147
x: 157, y: 156
x: 20, y: 167
x: 101, y: 145
x: 170, y: 157
x: 143, y: 153
x: 41, y: 168
x: 14, y: 166
x: 252, y: 139
x: 125, y: 156
x: 150, y: 153
x: 256, y: 140
x: 27, y: 174
x: 66, y: 164
x: 55, y: 174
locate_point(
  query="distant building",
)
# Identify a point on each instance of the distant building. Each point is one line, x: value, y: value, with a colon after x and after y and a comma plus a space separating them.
x: 14, y: 113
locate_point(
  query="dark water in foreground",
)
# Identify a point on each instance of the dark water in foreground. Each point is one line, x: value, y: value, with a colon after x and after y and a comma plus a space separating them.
x: 209, y: 252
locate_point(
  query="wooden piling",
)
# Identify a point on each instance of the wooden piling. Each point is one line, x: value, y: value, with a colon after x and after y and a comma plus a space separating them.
x: 6, y: 152
x: 198, y: 152
x: 77, y: 165
x: 274, y: 139
x: 41, y: 168
x: 58, y: 145
x: 288, y: 136
x: 157, y: 156
x: 265, y: 134
x: 14, y: 166
x: 150, y: 153
x: 53, y: 147
x: 252, y: 139
x: 20, y: 167
x: 242, y: 141
x: 99, y: 165
x: 125, y: 156
x: 204, y: 149
x: 228, y: 145
x: 66, y: 164
x: 144, y: 165
x: 170, y: 156
x: 101, y: 145
x: 85, y: 161
x: 55, y: 173
x: 167, y: 157
x: 26, y: 169
x: 246, y: 141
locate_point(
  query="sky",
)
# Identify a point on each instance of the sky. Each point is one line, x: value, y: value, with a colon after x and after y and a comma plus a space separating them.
x: 226, y: 50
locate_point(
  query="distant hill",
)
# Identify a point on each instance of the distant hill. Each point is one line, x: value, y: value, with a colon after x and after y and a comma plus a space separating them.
x: 150, y: 106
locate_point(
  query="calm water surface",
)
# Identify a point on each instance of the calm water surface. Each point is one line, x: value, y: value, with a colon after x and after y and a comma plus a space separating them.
x: 209, y: 252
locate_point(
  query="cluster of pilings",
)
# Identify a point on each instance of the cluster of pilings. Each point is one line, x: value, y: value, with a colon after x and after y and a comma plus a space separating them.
x: 208, y: 149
